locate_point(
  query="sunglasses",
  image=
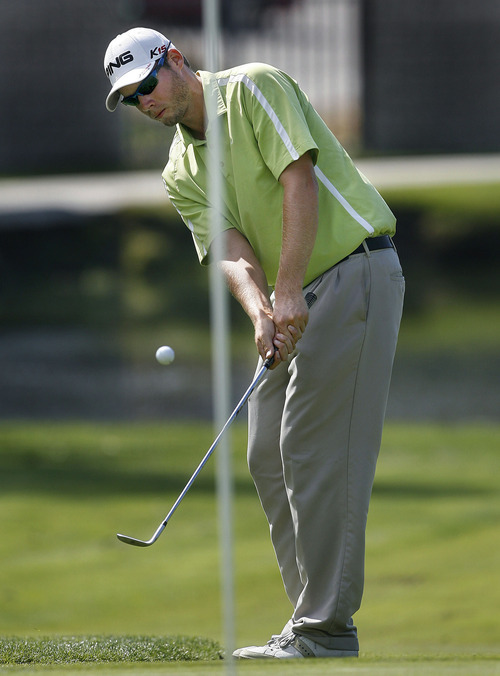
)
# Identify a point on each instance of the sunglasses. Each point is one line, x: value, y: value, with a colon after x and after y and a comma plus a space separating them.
x: 147, y: 85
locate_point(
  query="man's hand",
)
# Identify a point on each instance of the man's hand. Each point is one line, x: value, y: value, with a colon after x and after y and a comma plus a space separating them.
x: 290, y: 317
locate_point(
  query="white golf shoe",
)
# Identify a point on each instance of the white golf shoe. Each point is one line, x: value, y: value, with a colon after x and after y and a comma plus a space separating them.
x: 288, y: 646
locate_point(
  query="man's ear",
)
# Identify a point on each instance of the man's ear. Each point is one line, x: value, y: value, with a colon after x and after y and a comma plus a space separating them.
x: 175, y: 58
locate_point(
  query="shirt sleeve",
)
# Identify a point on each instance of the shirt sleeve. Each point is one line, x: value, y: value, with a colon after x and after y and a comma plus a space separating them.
x: 196, y: 213
x: 277, y: 110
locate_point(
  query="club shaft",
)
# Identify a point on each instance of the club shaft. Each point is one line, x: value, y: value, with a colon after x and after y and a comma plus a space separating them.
x: 212, y: 448
x: 241, y: 403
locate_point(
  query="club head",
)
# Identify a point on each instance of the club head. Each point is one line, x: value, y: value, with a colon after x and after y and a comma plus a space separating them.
x: 133, y: 541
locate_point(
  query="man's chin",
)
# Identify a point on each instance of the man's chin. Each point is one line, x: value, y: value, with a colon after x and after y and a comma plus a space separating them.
x: 166, y: 120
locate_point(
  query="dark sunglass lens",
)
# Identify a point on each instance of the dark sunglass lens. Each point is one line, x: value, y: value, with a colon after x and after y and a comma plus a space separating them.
x: 131, y: 101
x: 147, y: 86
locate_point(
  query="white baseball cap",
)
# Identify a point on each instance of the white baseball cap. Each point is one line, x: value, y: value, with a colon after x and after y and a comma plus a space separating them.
x: 130, y: 57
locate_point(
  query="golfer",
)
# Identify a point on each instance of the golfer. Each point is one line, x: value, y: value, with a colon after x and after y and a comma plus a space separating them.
x: 298, y: 220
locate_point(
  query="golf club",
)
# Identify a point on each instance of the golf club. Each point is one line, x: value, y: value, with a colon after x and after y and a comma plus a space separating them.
x: 146, y: 543
x: 310, y: 299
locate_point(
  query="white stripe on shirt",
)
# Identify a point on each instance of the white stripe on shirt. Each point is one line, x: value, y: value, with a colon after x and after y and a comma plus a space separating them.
x: 250, y: 84
x: 350, y: 210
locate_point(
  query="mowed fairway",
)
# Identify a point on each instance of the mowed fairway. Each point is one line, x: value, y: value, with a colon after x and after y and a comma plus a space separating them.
x: 432, y: 594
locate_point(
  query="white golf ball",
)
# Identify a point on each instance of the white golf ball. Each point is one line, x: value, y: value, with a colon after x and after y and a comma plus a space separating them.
x: 165, y: 355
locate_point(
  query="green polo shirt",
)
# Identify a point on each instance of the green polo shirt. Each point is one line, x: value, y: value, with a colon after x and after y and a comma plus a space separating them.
x: 268, y: 122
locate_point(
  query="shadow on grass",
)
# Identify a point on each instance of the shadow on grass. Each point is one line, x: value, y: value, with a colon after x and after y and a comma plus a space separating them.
x: 82, y: 482
x: 75, y: 476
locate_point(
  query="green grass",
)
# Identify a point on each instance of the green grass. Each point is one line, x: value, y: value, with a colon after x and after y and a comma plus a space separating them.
x: 369, y: 666
x: 433, y: 553
x: 71, y: 650
x: 451, y: 326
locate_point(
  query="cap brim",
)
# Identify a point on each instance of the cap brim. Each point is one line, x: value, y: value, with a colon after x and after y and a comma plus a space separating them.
x: 131, y: 77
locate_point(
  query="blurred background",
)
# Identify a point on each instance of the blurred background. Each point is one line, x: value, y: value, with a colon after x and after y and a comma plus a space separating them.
x: 97, y: 270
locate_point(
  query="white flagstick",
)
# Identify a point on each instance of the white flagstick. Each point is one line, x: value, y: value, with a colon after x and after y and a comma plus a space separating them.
x: 220, y: 340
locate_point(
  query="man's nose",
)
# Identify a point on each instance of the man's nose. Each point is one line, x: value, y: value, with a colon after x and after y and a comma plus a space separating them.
x: 145, y: 102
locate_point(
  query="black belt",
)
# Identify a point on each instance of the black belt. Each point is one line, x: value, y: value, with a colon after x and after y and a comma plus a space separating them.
x: 373, y: 244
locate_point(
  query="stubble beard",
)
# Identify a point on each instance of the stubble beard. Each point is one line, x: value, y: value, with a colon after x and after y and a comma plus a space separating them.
x: 180, y: 96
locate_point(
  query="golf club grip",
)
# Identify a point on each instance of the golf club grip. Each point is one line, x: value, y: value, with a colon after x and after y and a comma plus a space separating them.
x: 269, y: 362
x: 310, y: 299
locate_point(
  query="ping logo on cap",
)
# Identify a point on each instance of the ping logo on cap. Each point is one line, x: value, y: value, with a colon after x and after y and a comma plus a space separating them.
x: 121, y: 60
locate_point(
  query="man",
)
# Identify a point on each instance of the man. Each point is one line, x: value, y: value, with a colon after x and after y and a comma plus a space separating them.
x: 298, y: 217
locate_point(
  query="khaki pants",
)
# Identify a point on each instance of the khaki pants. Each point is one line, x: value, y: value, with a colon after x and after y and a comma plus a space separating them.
x: 315, y: 426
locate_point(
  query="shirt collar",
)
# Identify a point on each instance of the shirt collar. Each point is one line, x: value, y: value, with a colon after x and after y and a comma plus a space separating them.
x: 210, y: 85
x: 188, y: 138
